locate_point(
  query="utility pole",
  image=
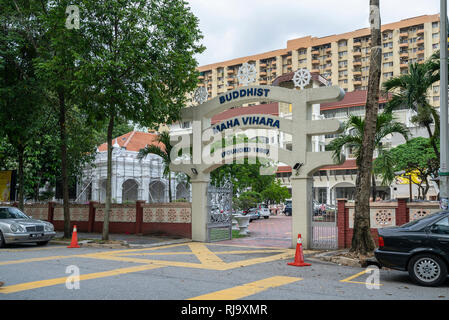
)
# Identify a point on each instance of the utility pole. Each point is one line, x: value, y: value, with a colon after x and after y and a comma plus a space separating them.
x: 444, y: 137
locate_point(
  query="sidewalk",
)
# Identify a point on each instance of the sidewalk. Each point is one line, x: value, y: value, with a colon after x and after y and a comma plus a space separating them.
x: 131, y: 240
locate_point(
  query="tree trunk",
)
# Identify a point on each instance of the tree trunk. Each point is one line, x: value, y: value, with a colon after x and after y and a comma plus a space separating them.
x: 63, y: 150
x: 432, y: 141
x: 169, y: 187
x: 373, y: 179
x: 21, y: 151
x: 107, y: 209
x: 362, y: 241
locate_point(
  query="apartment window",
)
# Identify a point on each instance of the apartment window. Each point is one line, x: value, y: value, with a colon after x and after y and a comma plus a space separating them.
x: 436, y: 89
x: 388, y: 54
x: 388, y: 64
x: 302, y: 51
x: 343, y: 43
x: 343, y: 64
x: 342, y: 54
x: 436, y: 98
x: 388, y: 45
x: 388, y: 75
x: 435, y: 35
x: 435, y: 46
x: 435, y: 25
x: 343, y: 73
x: 303, y: 61
x: 185, y: 125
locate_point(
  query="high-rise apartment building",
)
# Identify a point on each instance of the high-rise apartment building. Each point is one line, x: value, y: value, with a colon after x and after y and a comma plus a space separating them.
x: 341, y: 59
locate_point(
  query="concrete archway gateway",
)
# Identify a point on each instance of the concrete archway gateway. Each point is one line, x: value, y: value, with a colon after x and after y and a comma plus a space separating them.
x: 301, y: 158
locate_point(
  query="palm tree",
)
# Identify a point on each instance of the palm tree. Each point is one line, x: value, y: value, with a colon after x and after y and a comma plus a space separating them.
x: 163, y: 150
x: 411, y: 90
x: 355, y: 127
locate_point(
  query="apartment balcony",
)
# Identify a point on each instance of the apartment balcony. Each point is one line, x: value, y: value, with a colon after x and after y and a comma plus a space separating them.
x: 403, y: 35
x: 357, y: 53
x: 420, y: 51
x: 420, y: 42
x: 315, y: 71
x: 328, y: 68
x: 230, y: 71
x: 315, y: 52
x: 201, y: 78
x: 357, y: 82
x: 201, y: 85
x: 420, y: 32
x: 403, y: 54
x: 230, y: 87
x: 357, y: 44
x: 357, y: 63
x: 231, y: 80
x: 263, y: 82
x: 403, y: 45
x: 403, y: 66
x: 263, y: 73
x: 315, y: 61
x: 328, y: 50
x: 263, y: 65
x: 357, y: 73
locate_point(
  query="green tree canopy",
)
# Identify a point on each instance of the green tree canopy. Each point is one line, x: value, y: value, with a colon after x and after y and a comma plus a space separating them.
x: 416, y: 156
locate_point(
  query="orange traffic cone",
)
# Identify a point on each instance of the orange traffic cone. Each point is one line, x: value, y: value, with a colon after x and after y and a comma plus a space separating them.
x: 299, y: 256
x: 74, y: 243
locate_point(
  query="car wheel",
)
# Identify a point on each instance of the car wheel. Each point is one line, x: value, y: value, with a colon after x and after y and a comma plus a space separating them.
x: 42, y: 243
x: 2, y: 240
x: 266, y: 217
x: 427, y: 270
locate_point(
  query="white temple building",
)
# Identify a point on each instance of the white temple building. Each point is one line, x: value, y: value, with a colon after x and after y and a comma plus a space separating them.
x: 132, y: 179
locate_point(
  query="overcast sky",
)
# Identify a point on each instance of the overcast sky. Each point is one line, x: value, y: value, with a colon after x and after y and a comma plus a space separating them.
x: 239, y: 28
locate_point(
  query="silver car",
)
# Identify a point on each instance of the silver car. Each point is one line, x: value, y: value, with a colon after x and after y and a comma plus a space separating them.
x: 17, y: 227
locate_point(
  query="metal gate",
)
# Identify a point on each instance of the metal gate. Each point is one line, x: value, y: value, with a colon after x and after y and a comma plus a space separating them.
x: 219, y: 202
x: 324, y: 229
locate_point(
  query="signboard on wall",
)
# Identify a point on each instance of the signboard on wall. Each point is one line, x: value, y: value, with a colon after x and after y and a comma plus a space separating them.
x: 7, y: 185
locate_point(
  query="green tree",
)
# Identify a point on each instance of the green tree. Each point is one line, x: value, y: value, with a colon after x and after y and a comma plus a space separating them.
x: 275, y: 193
x: 353, y: 139
x: 162, y: 149
x: 247, y: 200
x: 416, y: 156
x: 411, y: 90
x: 23, y: 112
x: 140, y: 65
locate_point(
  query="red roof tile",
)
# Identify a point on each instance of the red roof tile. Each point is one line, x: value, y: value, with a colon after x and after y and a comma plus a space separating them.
x: 348, y: 164
x: 133, y: 141
x: 351, y: 99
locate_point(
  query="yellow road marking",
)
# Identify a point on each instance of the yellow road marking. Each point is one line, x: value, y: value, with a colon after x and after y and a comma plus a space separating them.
x: 204, y: 255
x: 247, y: 289
x: 190, y: 252
x: 51, y: 282
x: 36, y: 259
x: 349, y: 279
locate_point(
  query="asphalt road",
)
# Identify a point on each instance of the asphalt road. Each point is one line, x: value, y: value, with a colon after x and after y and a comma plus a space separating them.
x: 193, y: 271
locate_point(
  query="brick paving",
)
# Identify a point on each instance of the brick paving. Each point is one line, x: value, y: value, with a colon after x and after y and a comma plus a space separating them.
x: 272, y: 232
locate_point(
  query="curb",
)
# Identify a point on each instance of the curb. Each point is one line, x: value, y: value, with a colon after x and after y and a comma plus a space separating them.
x: 123, y: 244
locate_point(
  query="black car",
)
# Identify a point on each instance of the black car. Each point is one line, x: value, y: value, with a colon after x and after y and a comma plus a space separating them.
x: 420, y: 247
x: 288, y: 209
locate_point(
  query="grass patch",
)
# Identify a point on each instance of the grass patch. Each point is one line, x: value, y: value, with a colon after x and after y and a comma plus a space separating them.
x: 236, y: 234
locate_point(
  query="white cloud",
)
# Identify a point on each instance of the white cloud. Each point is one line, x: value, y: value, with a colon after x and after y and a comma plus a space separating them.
x: 238, y: 28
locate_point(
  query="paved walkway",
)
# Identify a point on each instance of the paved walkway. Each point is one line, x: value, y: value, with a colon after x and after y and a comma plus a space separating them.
x: 272, y: 232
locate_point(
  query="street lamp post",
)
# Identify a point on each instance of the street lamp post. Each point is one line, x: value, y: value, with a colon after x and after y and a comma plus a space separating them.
x: 444, y: 137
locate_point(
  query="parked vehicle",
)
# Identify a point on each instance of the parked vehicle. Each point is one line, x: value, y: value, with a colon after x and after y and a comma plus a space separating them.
x: 288, y: 208
x: 420, y: 247
x: 253, y: 214
x: 17, y: 227
x: 264, y: 211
